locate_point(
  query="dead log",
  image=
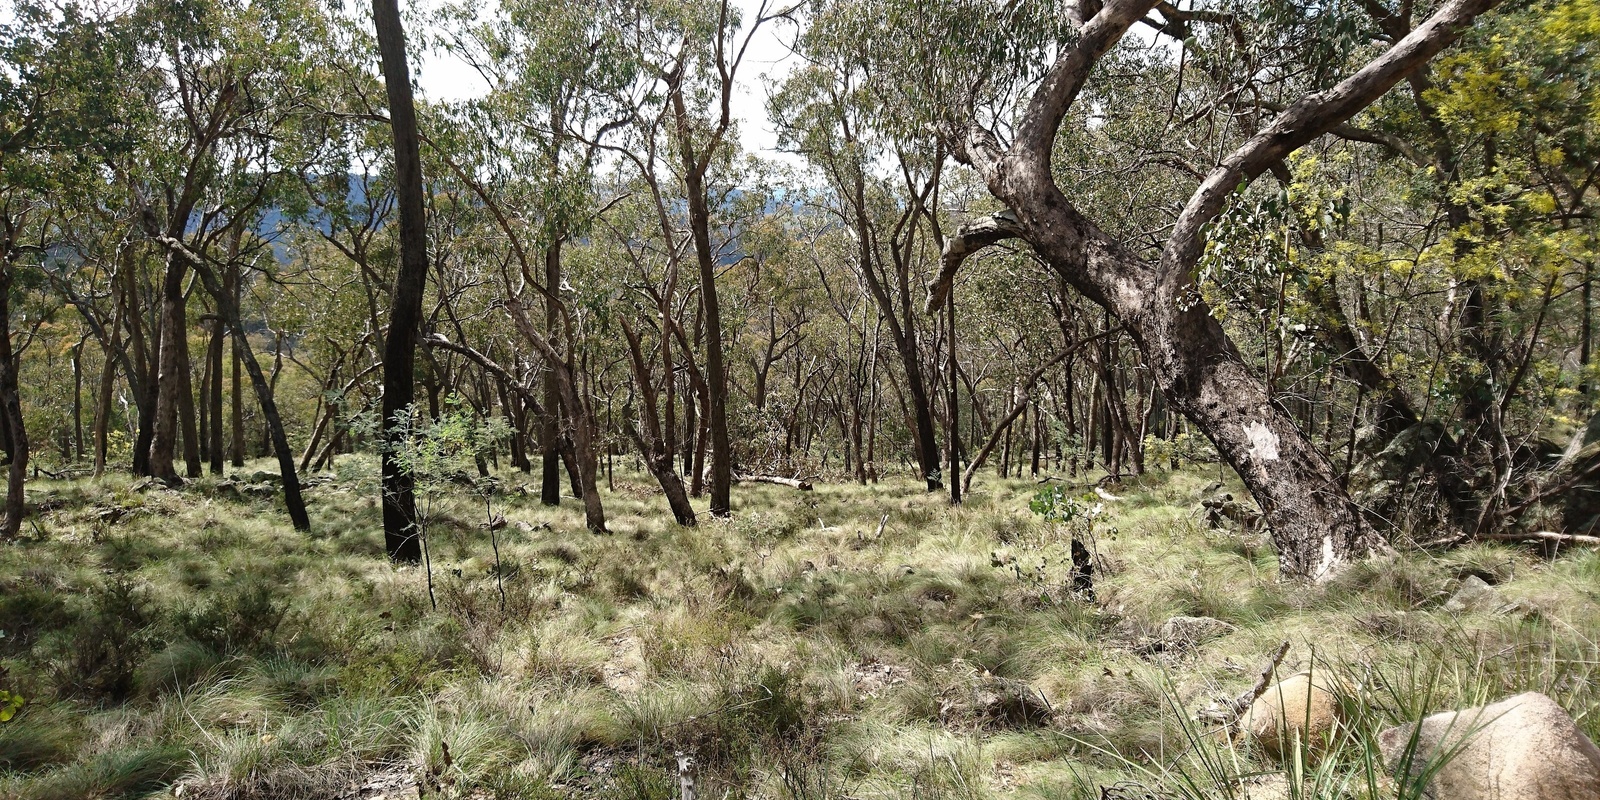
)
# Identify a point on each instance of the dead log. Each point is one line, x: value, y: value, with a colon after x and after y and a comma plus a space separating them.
x: 1544, y: 536
x: 792, y: 483
x: 1226, y: 714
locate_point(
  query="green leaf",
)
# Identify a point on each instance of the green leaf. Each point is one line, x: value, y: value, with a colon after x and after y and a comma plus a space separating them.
x: 10, y: 704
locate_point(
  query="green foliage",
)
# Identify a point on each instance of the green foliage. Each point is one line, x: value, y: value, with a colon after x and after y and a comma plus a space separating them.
x: 1055, y: 506
x: 10, y: 704
x: 241, y: 617
x: 1184, y: 448
x: 442, y: 451
x: 98, y: 655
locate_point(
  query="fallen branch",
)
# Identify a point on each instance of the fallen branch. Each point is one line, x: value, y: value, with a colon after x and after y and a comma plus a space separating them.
x: 1228, y: 714
x: 1546, y: 536
x: 792, y: 483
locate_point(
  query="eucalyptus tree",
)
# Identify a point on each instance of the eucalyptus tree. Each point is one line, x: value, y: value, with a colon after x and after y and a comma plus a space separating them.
x: 196, y: 88
x: 831, y: 111
x: 1002, y: 93
x: 56, y: 125
x: 223, y: 85
x: 400, y: 525
x: 240, y: 90
x: 692, y: 54
x: 653, y: 279
x: 559, y: 80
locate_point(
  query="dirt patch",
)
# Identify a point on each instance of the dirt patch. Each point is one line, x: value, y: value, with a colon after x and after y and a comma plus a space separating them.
x: 623, y: 672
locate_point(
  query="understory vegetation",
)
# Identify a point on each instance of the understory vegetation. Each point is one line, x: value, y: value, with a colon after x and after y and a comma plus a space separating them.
x: 854, y: 641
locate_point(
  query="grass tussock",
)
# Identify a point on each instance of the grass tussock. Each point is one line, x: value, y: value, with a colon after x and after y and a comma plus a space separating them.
x: 168, y: 639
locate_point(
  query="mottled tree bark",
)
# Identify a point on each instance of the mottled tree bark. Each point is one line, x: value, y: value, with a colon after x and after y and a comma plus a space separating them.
x: 1316, y: 528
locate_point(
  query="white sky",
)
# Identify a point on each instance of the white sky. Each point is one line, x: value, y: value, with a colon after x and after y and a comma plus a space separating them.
x: 444, y: 77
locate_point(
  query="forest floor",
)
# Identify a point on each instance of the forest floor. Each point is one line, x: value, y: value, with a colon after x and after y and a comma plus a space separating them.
x: 850, y: 642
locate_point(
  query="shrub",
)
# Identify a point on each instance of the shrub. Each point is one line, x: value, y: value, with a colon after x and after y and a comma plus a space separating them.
x: 100, y: 653
x: 242, y: 617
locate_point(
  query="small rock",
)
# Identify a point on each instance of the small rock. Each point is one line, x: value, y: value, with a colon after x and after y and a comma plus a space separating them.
x: 1521, y: 607
x: 263, y: 476
x: 1303, y: 708
x: 1182, y: 633
x: 1474, y: 594
x: 1492, y: 574
x: 1522, y: 748
x: 871, y: 627
x: 872, y: 678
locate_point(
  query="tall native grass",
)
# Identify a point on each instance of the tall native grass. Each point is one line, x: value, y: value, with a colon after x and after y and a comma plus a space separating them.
x: 849, y: 642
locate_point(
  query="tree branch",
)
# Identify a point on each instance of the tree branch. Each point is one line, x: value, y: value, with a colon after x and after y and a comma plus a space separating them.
x: 1305, y: 120
x: 1060, y: 87
x: 969, y: 239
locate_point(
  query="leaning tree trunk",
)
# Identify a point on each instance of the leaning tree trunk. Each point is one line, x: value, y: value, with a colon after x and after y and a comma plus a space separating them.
x: 716, y: 374
x: 229, y: 309
x: 550, y: 466
x: 186, y: 415
x: 575, y: 417
x: 653, y: 445
x: 1314, y: 524
x: 400, y: 534
x: 292, y: 499
x: 213, y: 399
x: 103, y: 400
x: 233, y: 283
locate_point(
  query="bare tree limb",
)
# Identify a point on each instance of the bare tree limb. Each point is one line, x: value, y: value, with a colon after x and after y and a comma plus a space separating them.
x: 969, y: 239
x: 1025, y: 390
x: 1067, y: 75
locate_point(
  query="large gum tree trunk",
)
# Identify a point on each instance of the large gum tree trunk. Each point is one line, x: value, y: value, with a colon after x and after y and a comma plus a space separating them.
x: 11, y: 410
x: 174, y: 326
x: 1314, y: 525
x: 400, y: 534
